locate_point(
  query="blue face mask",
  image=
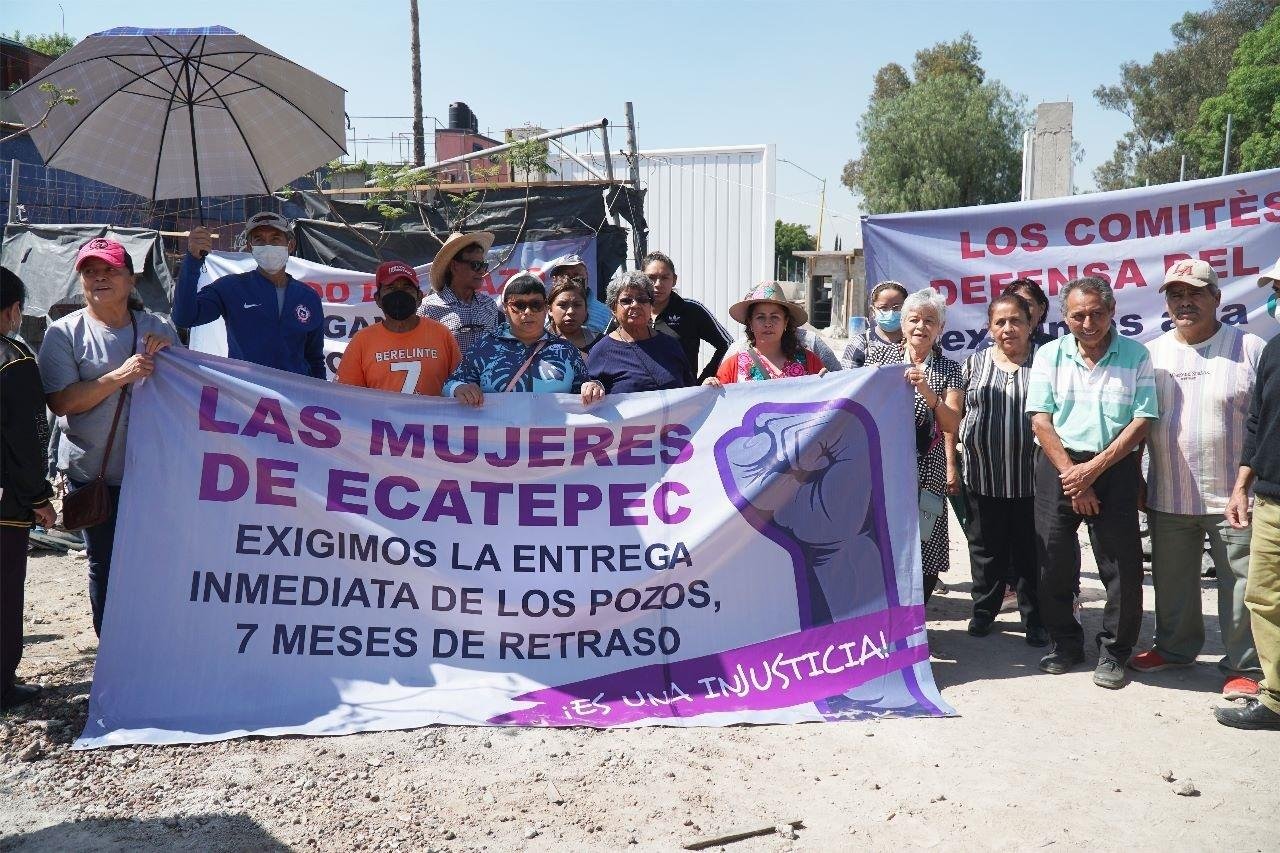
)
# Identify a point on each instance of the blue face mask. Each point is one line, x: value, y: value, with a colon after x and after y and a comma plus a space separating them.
x: 889, y: 321
x: 1272, y: 307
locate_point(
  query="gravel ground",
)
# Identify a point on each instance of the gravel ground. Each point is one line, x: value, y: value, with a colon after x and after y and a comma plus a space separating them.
x: 1033, y: 761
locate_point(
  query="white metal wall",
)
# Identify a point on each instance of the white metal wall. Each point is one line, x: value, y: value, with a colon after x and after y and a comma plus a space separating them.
x: 711, y: 210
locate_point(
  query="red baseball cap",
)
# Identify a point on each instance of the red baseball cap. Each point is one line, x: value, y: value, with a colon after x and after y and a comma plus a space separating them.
x: 103, y: 249
x: 392, y: 270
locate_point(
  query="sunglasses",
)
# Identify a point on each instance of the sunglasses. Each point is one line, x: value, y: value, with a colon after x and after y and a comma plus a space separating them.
x: 628, y: 301
x: 476, y: 266
x: 520, y: 306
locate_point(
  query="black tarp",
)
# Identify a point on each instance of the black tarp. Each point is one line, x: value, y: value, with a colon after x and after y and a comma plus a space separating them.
x: 44, y: 257
x: 512, y: 214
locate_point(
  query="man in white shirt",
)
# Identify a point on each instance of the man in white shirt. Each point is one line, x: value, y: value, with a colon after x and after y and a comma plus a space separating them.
x: 1205, y: 372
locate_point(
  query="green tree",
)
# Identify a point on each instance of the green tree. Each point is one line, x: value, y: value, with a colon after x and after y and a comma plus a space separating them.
x: 949, y: 138
x: 1163, y: 96
x: 50, y: 44
x: 789, y: 237
x: 949, y: 57
x: 891, y: 81
x: 1252, y: 99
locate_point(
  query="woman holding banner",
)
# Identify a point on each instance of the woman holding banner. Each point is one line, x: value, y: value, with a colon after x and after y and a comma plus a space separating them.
x: 89, y: 361
x: 635, y: 356
x: 999, y: 468
x: 938, y: 394
x: 773, y: 350
x: 521, y: 355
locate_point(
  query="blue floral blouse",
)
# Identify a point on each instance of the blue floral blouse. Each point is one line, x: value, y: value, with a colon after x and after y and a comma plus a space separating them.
x: 496, y: 356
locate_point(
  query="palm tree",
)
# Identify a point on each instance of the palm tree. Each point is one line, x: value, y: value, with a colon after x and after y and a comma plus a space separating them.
x: 415, y: 54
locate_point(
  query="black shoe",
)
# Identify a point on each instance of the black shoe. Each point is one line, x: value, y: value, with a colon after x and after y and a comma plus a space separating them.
x: 18, y: 694
x: 1110, y: 672
x: 980, y: 626
x: 1254, y: 715
x: 1059, y: 661
x: 1037, y: 637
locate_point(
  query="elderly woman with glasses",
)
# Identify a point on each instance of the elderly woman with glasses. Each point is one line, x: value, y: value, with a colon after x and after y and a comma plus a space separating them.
x: 939, y: 391
x: 522, y: 355
x: 635, y: 357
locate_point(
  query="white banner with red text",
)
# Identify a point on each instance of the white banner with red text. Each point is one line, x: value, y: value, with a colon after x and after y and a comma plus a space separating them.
x: 348, y: 296
x: 1127, y: 237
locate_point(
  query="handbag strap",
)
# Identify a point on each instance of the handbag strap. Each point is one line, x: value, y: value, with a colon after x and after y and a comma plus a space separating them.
x: 124, y: 393
x: 511, y: 383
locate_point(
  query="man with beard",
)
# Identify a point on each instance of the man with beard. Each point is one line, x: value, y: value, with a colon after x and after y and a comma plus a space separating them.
x: 405, y: 353
x: 1205, y: 372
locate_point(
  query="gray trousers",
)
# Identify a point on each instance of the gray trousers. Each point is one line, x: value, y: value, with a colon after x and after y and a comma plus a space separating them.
x: 1177, y: 542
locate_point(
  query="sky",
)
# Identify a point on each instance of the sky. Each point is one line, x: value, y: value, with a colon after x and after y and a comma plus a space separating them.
x: 699, y: 72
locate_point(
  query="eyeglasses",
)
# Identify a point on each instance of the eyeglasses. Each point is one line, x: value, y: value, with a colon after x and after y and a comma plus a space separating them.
x: 476, y: 266
x: 628, y: 301
x: 534, y: 306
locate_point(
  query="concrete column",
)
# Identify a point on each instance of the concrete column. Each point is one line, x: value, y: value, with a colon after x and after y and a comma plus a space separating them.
x: 1051, y: 142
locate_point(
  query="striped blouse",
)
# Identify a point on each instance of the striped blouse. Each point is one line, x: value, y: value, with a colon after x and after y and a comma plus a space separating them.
x: 999, y: 449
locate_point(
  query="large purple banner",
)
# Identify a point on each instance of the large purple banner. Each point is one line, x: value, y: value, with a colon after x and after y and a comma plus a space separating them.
x: 295, y: 557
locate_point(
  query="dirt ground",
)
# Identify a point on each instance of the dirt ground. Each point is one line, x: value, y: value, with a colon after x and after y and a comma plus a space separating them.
x: 1033, y: 761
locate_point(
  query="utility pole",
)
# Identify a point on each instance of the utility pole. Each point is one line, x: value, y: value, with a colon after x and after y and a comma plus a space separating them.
x: 415, y: 58
x: 1226, y: 147
x: 822, y: 210
x: 639, y: 241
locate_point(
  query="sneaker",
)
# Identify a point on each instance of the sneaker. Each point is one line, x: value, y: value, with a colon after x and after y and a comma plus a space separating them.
x: 1152, y: 661
x: 18, y: 694
x: 1037, y: 638
x: 1109, y: 673
x: 1254, y: 715
x: 980, y: 626
x: 1059, y: 661
x: 1239, y: 687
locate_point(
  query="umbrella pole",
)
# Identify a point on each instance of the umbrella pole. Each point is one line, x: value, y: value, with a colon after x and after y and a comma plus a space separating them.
x: 195, y: 159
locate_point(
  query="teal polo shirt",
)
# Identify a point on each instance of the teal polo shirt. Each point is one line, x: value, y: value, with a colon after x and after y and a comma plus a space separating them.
x: 1091, y: 406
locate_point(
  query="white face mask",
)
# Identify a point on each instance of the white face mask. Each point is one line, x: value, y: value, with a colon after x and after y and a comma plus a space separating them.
x: 271, y: 258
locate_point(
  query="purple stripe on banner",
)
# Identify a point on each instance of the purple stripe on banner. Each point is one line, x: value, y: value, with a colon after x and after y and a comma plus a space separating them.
x: 801, y: 668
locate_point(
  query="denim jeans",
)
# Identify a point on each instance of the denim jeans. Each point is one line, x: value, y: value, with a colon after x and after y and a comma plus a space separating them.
x: 99, y: 540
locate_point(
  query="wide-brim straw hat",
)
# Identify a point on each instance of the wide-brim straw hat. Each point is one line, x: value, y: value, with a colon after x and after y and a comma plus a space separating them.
x: 455, y: 244
x: 769, y: 291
